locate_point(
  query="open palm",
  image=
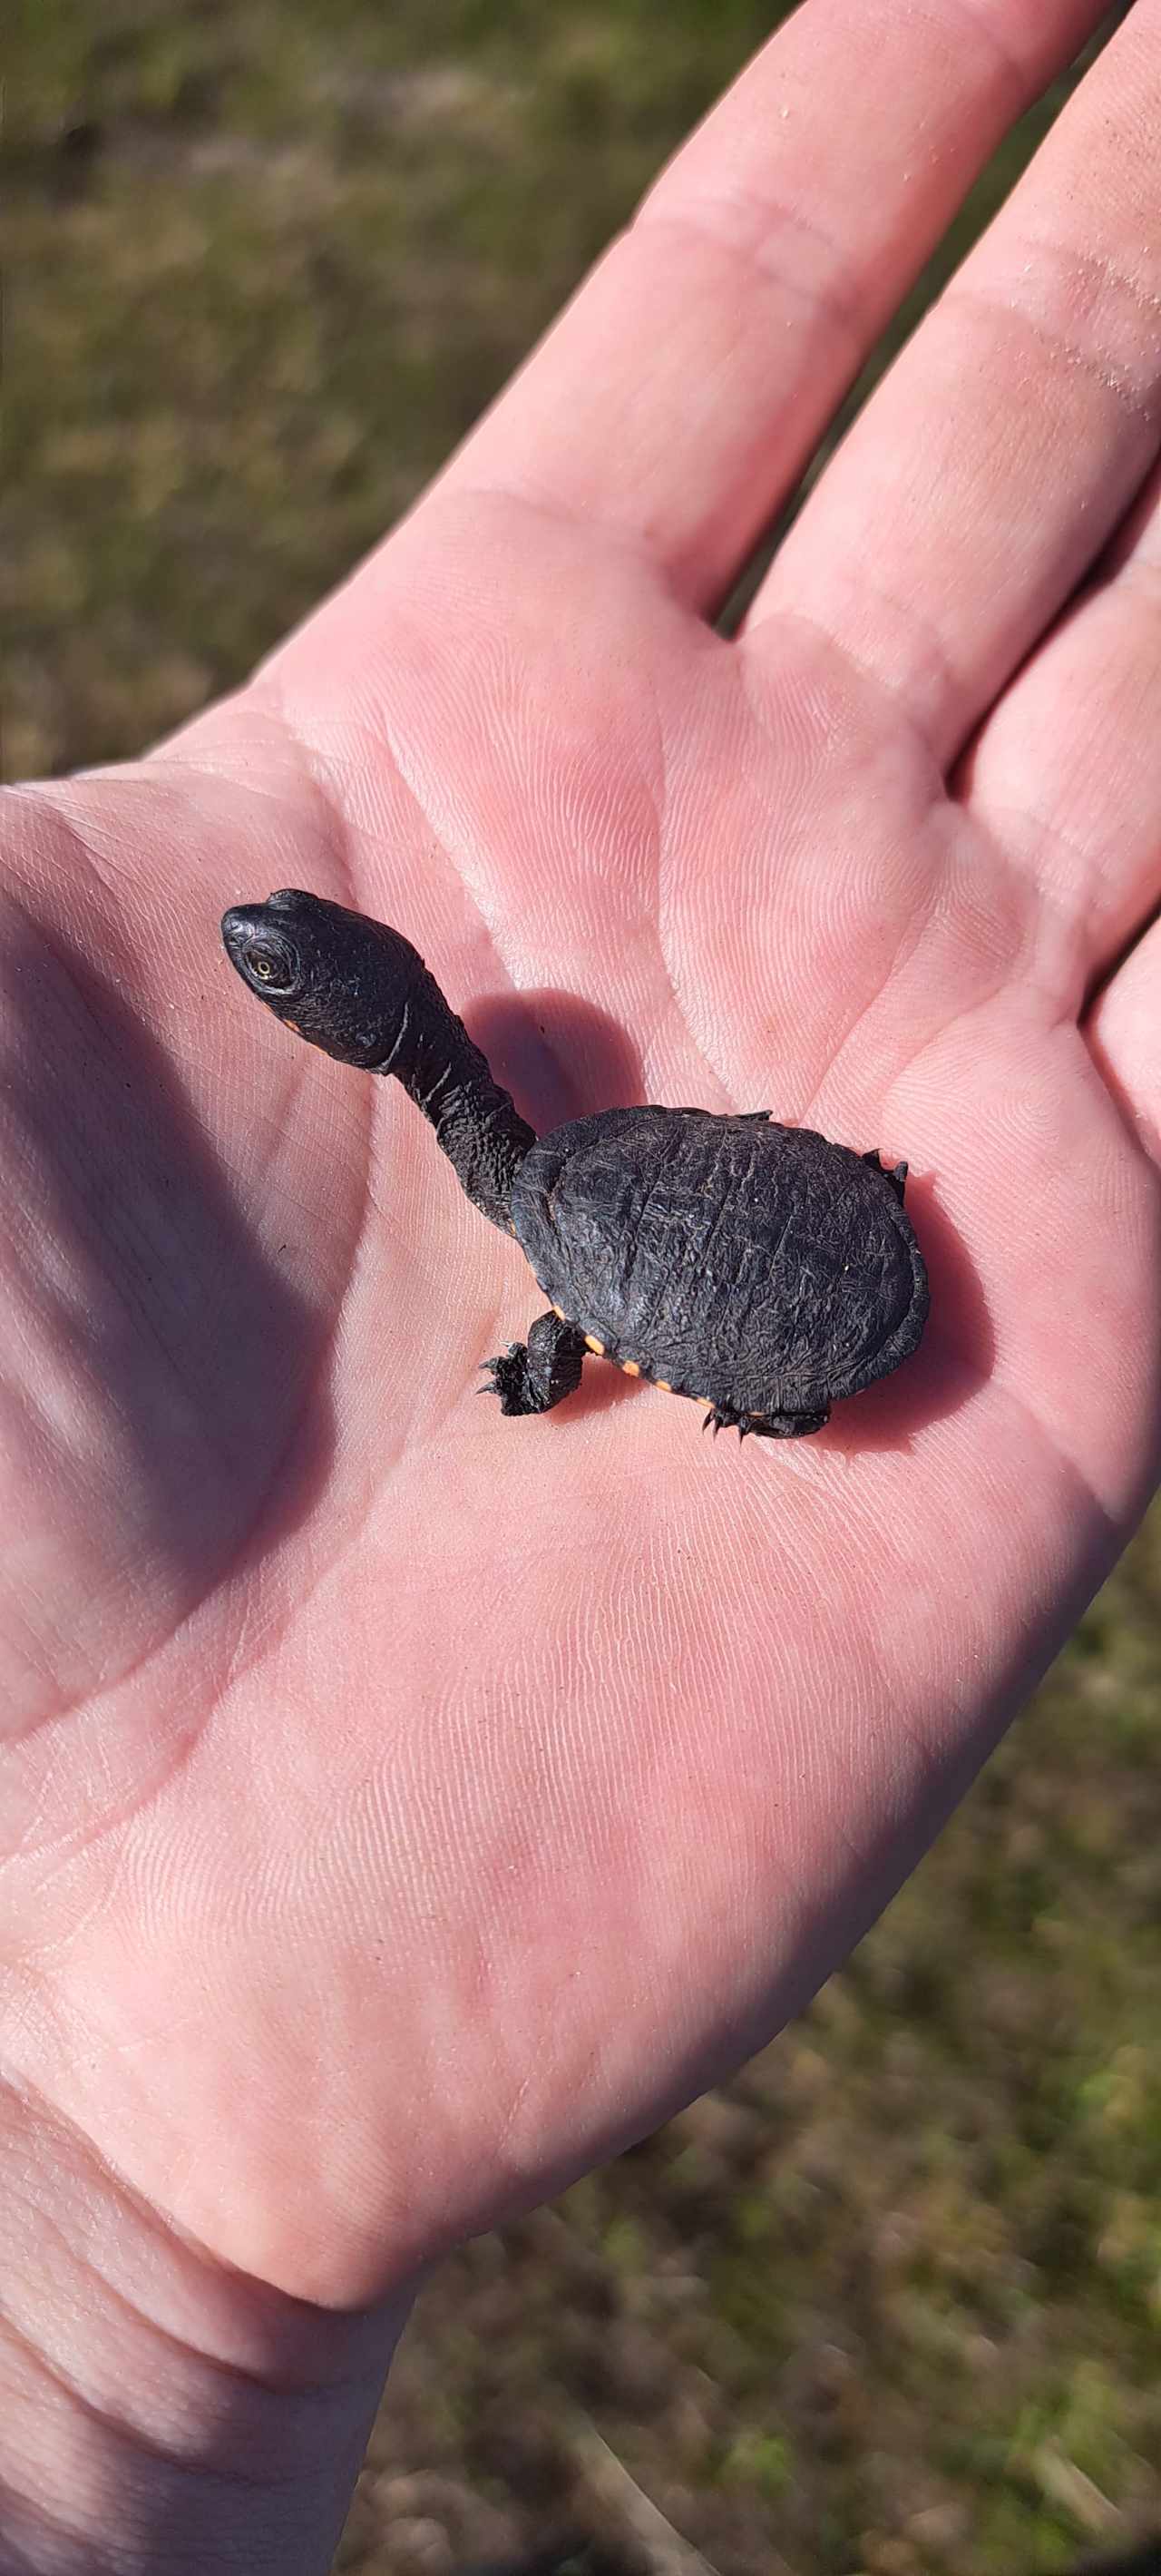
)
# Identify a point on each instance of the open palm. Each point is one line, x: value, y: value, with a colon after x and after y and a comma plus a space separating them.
x: 405, y: 1805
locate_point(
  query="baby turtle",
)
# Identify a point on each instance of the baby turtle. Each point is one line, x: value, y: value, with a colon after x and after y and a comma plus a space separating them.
x: 753, y: 1267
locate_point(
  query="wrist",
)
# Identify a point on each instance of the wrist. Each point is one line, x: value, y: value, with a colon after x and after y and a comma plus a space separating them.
x: 156, y: 2409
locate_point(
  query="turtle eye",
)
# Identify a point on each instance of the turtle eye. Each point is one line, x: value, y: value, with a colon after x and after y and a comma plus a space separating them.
x: 273, y: 962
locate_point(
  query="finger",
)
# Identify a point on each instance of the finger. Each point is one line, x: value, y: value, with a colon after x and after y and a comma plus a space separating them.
x: 682, y: 392
x: 1066, y: 775
x: 993, y: 462
x: 1125, y: 1035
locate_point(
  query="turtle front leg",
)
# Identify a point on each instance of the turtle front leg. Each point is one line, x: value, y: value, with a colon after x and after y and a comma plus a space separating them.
x: 532, y: 1376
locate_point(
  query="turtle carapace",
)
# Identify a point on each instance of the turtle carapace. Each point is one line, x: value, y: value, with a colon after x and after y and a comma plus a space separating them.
x: 758, y: 1269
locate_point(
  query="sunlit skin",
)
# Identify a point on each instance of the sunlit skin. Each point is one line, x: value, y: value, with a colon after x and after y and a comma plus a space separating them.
x: 403, y: 1806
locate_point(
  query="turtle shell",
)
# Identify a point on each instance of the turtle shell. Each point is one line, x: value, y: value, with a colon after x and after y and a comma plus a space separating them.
x: 755, y: 1266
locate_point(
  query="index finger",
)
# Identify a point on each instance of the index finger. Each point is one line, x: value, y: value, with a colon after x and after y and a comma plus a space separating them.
x: 682, y: 392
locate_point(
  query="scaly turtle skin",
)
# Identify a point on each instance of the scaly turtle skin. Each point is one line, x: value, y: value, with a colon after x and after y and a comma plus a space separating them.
x: 759, y: 1269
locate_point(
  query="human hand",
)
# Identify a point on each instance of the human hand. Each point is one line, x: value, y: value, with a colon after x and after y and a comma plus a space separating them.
x: 405, y: 1807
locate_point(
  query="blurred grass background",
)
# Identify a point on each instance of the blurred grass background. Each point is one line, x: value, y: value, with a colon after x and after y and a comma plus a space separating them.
x: 891, y: 2303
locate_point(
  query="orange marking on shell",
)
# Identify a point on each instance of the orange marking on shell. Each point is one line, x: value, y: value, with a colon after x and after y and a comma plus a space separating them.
x: 664, y: 1384
x: 632, y: 1368
x: 592, y: 1344
x: 559, y: 1310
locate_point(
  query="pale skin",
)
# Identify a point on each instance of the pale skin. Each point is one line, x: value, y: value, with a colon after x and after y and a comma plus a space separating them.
x: 404, y: 1807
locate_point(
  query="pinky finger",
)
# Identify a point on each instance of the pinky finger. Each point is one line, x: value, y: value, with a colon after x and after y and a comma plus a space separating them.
x: 1124, y: 1031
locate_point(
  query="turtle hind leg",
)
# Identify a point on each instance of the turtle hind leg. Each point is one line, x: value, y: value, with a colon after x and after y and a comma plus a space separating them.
x: 532, y: 1376
x: 897, y: 1177
x: 767, y: 1426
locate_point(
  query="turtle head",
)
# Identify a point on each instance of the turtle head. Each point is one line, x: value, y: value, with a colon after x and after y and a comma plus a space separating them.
x: 362, y: 993
x: 341, y: 981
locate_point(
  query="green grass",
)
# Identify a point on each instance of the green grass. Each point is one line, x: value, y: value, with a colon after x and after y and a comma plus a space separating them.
x: 892, y: 2302
x: 268, y: 262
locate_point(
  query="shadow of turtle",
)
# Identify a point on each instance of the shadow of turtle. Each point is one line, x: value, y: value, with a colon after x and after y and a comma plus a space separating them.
x: 955, y: 1357
x: 560, y: 1057
x: 563, y: 1059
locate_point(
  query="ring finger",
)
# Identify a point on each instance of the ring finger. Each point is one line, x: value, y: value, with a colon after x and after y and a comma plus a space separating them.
x: 993, y: 463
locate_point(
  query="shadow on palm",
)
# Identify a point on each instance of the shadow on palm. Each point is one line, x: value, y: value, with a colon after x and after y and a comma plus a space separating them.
x: 168, y: 1431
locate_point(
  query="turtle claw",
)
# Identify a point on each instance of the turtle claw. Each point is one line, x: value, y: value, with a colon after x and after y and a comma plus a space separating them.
x: 532, y: 1376
x: 897, y: 1176
x: 507, y: 1377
